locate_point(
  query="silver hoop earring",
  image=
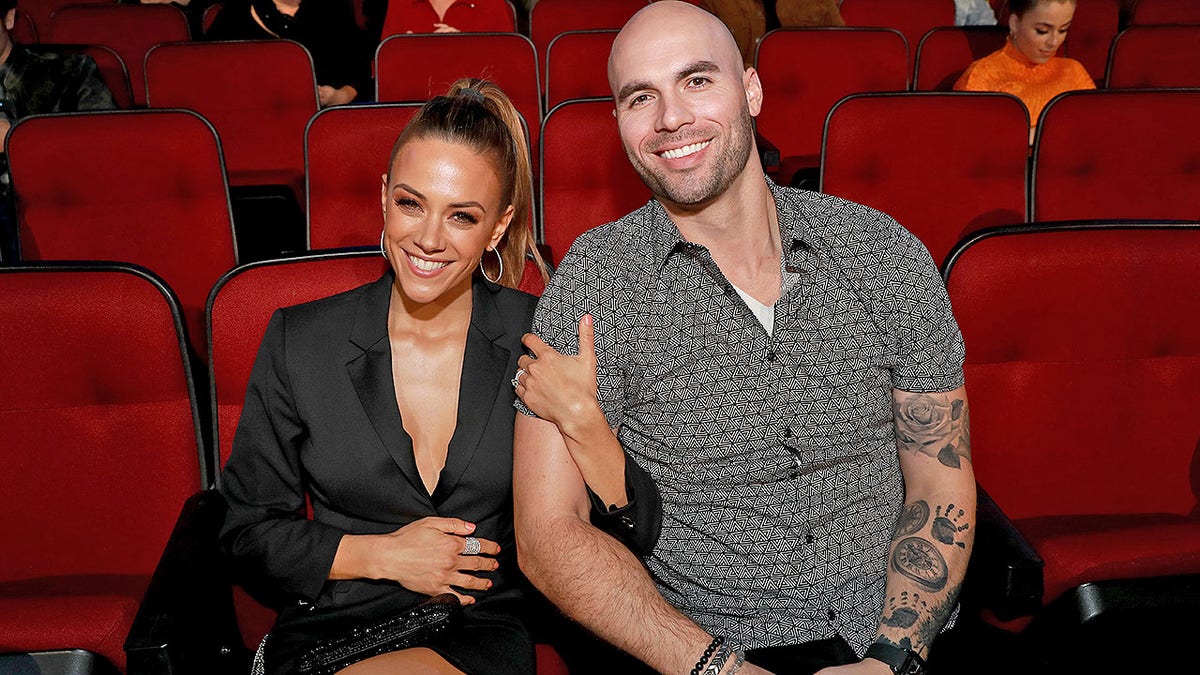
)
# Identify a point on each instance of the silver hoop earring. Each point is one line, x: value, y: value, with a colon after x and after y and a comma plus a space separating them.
x: 500, y: 274
x: 381, y: 248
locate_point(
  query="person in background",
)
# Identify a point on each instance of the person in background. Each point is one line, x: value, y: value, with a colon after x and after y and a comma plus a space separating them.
x: 35, y: 83
x: 447, y: 16
x: 1027, y: 66
x: 973, y: 13
x: 326, y: 28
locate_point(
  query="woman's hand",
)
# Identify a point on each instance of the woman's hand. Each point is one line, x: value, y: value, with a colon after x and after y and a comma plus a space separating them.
x: 561, y: 389
x: 328, y: 96
x: 444, y: 28
x: 425, y: 556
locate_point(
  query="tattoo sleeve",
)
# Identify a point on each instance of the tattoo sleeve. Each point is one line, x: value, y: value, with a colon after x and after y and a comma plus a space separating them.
x: 937, y: 425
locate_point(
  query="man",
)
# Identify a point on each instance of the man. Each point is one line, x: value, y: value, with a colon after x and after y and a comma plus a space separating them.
x: 33, y: 84
x: 784, y: 364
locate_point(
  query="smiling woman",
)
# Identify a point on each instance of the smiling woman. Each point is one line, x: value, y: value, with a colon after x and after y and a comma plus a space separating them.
x: 388, y: 408
x: 1027, y: 66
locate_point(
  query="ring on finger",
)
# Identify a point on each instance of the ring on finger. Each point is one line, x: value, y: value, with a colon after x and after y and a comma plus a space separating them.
x: 472, y: 547
x: 516, y: 381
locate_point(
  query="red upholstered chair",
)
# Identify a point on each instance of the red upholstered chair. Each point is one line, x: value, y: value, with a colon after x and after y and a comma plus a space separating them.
x: 504, y: 58
x: 1093, y: 29
x: 798, y: 95
x: 943, y: 165
x: 24, y: 31
x: 549, y: 18
x: 261, y: 120
x: 945, y: 52
x: 151, y: 192
x: 913, y: 18
x: 100, y: 446
x: 1083, y: 368
x: 129, y: 30
x: 41, y: 11
x: 1155, y: 56
x: 210, y: 15
x: 346, y: 151
x: 579, y: 195
x: 1164, y: 12
x: 1118, y: 154
x: 577, y: 65
x: 109, y: 64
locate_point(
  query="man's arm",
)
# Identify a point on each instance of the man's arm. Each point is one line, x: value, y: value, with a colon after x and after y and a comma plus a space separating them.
x: 590, y: 576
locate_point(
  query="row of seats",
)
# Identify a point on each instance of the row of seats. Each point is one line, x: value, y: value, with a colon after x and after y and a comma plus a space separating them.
x: 1083, y: 367
x: 945, y: 165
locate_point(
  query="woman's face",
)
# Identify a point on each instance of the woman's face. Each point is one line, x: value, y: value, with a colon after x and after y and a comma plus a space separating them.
x: 1040, y: 31
x: 441, y: 210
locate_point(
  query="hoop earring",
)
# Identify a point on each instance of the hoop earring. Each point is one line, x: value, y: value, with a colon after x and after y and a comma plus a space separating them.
x: 500, y: 274
x: 381, y: 248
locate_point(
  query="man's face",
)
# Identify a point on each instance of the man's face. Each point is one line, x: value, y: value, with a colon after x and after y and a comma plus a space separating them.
x: 684, y: 107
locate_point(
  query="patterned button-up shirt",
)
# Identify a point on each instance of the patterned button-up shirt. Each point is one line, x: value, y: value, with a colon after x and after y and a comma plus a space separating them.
x: 775, y: 454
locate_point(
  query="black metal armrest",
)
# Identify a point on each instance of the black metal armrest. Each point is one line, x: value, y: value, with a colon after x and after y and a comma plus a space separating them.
x: 187, y: 623
x: 1005, y: 572
x: 768, y: 153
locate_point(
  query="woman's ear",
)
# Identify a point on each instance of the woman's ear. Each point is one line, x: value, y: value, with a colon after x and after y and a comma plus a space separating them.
x: 383, y: 195
x: 501, y: 226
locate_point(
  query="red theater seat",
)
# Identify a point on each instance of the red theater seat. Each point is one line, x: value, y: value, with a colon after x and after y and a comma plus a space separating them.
x: 550, y: 18
x: 1163, y: 12
x: 800, y: 94
x: 152, y: 192
x: 1083, y: 368
x: 130, y: 30
x: 261, y: 120
x: 913, y: 18
x: 942, y: 164
x: 346, y: 150
x: 579, y: 195
x: 945, y: 52
x: 100, y: 447
x: 1093, y: 29
x: 24, y: 31
x: 577, y: 66
x: 1155, y: 56
x: 1118, y: 154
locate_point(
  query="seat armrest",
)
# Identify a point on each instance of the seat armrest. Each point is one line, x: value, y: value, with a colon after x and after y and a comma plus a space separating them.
x: 187, y: 623
x: 768, y: 153
x: 1005, y: 572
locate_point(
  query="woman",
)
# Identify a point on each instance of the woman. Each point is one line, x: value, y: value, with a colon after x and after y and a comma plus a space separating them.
x: 1027, y: 66
x: 326, y: 28
x: 447, y: 16
x: 389, y: 409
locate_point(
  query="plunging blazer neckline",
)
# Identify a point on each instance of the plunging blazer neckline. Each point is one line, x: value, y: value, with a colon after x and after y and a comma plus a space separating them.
x: 484, y: 363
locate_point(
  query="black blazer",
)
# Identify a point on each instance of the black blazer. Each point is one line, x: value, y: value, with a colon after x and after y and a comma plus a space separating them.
x: 321, y: 419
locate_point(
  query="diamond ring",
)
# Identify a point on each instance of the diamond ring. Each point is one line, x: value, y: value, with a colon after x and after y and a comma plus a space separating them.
x: 472, y: 547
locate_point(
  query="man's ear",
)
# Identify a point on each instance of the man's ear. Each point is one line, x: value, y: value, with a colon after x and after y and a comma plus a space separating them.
x: 754, y: 92
x: 10, y: 19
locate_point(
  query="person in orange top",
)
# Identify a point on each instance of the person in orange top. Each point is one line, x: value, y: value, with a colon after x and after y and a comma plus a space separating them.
x: 447, y: 16
x: 1027, y: 66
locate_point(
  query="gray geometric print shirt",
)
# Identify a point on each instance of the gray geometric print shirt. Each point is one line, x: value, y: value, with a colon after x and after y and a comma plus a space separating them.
x: 775, y: 454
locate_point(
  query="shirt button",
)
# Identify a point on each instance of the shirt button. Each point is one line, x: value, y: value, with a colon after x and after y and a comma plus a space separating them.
x: 771, y: 356
x: 808, y: 539
x: 832, y: 615
x: 787, y: 433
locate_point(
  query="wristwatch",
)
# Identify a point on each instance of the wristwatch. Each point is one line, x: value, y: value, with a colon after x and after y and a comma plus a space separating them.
x: 901, y: 661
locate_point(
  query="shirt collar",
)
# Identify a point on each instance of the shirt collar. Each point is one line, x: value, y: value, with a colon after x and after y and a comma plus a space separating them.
x: 794, y: 226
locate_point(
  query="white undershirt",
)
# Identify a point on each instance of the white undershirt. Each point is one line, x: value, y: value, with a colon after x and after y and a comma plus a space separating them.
x: 764, y: 313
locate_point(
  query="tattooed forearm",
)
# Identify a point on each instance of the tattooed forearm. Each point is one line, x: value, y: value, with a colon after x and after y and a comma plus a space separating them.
x: 905, y: 611
x: 919, y: 560
x: 912, y: 519
x: 937, y: 425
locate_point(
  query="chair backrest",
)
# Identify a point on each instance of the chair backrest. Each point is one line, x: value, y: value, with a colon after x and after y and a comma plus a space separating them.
x: 577, y: 65
x: 41, y: 12
x: 1155, y: 56
x: 100, y: 444
x: 24, y: 30
x: 1083, y: 367
x: 913, y: 18
x: 109, y: 65
x: 261, y: 120
x: 550, y: 18
x: 943, y: 165
x: 129, y: 30
x: 346, y: 150
x: 241, y: 305
x: 1164, y: 12
x: 798, y: 93
x: 1093, y: 28
x: 507, y: 59
x: 1118, y: 154
x: 946, y: 51
x: 147, y: 188
x: 210, y: 15
x: 579, y: 195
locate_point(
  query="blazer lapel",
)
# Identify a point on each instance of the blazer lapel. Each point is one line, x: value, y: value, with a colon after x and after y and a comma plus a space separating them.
x: 370, y: 371
x: 484, y: 370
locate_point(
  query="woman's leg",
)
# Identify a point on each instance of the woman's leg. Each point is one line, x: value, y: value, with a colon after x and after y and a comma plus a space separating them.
x: 416, y: 661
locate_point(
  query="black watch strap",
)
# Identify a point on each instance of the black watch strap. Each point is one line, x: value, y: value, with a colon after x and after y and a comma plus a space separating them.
x: 901, y: 661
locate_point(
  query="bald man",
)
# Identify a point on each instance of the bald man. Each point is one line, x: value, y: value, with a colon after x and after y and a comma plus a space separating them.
x: 785, y: 367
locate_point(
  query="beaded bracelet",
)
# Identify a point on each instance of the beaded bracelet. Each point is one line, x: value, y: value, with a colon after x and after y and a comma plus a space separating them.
x: 708, y: 652
x: 718, y: 661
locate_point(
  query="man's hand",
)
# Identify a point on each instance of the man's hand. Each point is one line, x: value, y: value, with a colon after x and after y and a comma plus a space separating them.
x: 864, y: 667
